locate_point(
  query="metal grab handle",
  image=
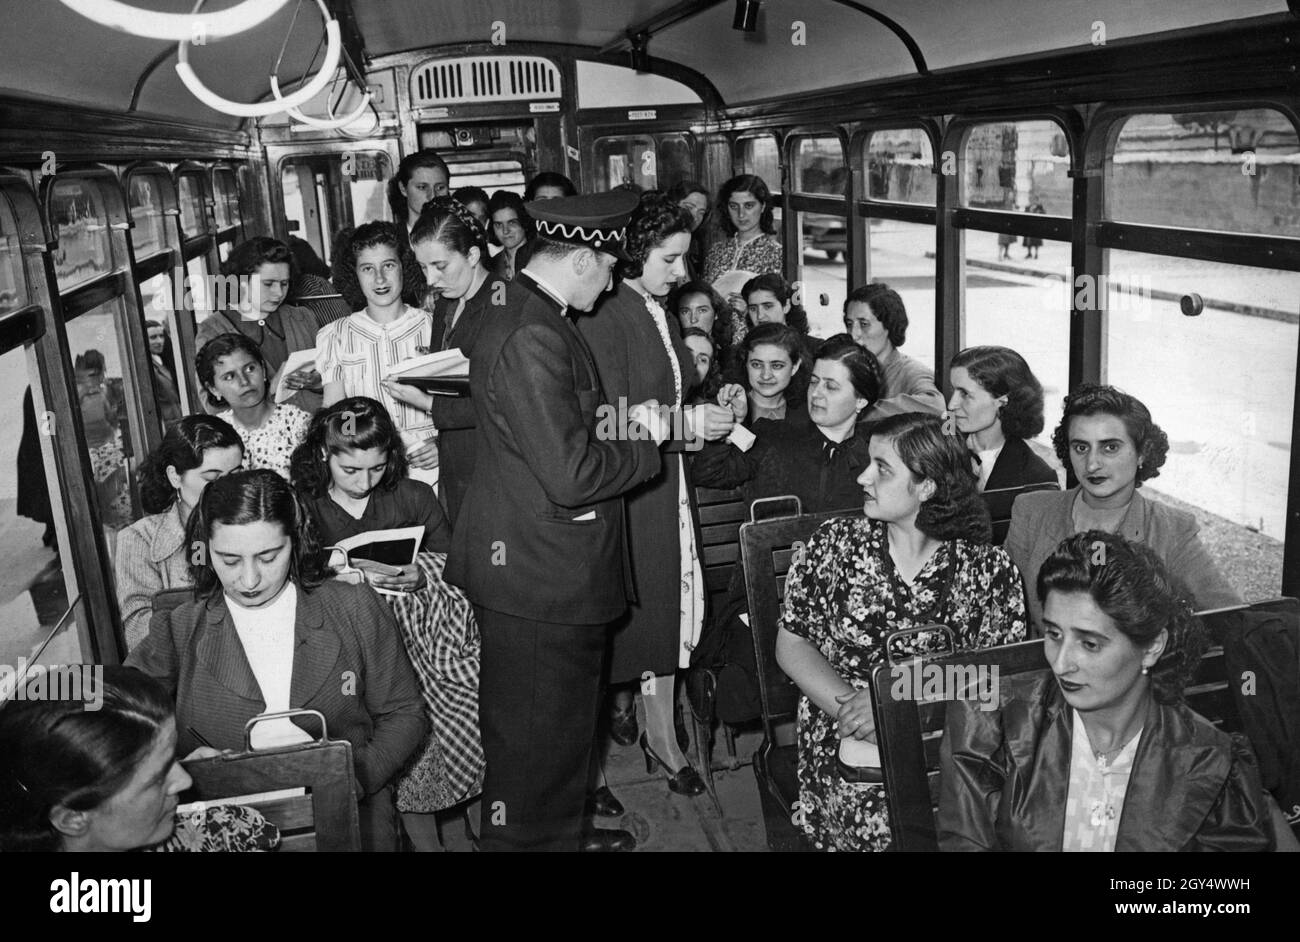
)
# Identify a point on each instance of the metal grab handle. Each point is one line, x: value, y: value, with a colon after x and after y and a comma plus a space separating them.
x: 261, y: 717
x: 798, y: 507
x: 893, y: 635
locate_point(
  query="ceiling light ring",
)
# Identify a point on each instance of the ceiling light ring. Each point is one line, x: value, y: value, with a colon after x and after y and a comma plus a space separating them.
x: 333, y: 52
x: 325, y: 124
x: 176, y: 27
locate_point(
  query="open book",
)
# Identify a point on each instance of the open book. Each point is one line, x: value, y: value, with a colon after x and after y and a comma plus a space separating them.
x: 730, y: 282
x: 445, y: 373
x: 296, y: 361
x: 379, y: 551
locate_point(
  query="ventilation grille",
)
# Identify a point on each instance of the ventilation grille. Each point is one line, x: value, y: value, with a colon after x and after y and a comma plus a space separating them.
x: 484, y: 78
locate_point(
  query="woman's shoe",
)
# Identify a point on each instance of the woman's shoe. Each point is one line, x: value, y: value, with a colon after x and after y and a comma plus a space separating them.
x: 603, y: 803
x: 685, y: 781
x: 622, y: 726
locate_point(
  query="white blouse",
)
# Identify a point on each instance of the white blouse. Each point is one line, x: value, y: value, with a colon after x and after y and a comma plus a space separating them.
x: 267, y: 636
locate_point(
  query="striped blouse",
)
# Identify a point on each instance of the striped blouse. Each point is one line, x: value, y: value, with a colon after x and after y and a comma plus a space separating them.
x: 359, y: 352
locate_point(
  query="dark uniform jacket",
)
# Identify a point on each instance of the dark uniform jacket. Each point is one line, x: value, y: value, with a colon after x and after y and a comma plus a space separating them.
x: 540, y: 535
x: 1005, y: 774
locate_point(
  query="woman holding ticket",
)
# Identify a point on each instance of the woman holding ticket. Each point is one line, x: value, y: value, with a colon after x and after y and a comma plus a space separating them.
x: 352, y: 472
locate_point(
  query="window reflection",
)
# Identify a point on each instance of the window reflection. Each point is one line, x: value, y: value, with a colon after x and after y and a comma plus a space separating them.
x: 193, y: 221
x: 13, y: 282
x: 1019, y: 165
x: 147, y: 212
x: 900, y: 166
x: 81, y: 225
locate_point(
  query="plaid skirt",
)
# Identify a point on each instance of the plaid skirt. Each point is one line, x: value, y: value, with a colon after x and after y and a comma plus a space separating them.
x: 442, y: 640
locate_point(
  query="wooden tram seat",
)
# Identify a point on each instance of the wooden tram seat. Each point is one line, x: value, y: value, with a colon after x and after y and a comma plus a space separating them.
x: 999, y: 502
x: 909, y: 733
x: 766, y: 549
x: 324, y: 819
x: 721, y: 514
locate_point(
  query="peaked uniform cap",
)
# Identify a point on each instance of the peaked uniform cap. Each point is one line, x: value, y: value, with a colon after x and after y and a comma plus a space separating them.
x: 596, y: 220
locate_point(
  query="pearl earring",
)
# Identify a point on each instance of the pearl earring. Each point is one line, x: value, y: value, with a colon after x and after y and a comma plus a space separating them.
x: 1145, y: 669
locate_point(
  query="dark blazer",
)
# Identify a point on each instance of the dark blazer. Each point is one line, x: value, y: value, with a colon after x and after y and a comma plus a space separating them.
x: 1005, y: 774
x: 454, y: 415
x: 520, y: 545
x: 348, y: 663
x: 1041, y: 520
x: 1017, y: 466
x: 497, y: 264
x: 633, y: 366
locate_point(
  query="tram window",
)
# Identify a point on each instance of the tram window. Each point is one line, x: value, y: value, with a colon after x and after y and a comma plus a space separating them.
x: 369, y: 187
x: 225, y: 201
x: 503, y: 173
x: 676, y: 160
x: 760, y: 156
x: 626, y: 159
x: 1020, y: 166
x: 99, y: 351
x: 193, y: 219
x: 1234, y: 171
x: 1221, y: 385
x: 13, y: 284
x: 819, y: 166
x: 81, y: 225
x: 1027, y: 310
x: 901, y: 254
x: 33, y: 593
x: 196, y: 276
x: 900, y: 166
x: 148, y: 212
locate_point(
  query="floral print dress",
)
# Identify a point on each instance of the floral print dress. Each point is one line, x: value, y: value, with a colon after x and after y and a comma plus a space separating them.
x: 844, y: 595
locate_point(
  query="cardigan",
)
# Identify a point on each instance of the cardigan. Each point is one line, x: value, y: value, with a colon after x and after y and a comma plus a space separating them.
x: 348, y: 662
x: 1040, y: 520
x: 908, y: 387
x: 149, y: 558
x: 1004, y: 774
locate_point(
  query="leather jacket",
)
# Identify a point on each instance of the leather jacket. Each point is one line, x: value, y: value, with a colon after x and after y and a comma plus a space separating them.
x: 1006, y: 772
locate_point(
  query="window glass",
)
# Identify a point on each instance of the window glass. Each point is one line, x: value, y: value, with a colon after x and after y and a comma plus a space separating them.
x: 81, y: 226
x: 1029, y: 312
x: 13, y: 281
x: 1230, y: 439
x: 900, y: 166
x: 225, y: 202
x: 193, y: 219
x: 1236, y: 171
x: 369, y: 187
x: 33, y: 593
x: 819, y: 166
x: 901, y: 254
x: 676, y: 160
x: 1018, y: 165
x: 760, y: 156
x: 156, y: 294
x: 148, y: 207
x: 630, y: 159
x: 491, y: 175
x: 99, y: 352
x: 822, y: 272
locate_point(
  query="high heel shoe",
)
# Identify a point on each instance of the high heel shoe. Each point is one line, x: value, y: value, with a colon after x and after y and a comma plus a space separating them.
x: 685, y: 781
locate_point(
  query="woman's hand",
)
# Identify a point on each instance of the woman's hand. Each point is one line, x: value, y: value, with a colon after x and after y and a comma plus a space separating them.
x: 425, y: 457
x: 710, y: 422
x: 408, y: 394
x: 855, y: 718
x: 733, y: 396
x: 410, y: 579
x: 305, y: 378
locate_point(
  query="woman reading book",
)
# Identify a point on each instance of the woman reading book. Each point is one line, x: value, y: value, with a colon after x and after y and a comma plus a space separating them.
x: 351, y: 470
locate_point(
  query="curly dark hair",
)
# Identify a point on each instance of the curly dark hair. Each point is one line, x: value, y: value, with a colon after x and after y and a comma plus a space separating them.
x: 1149, y: 439
x: 1129, y: 583
x: 253, y: 497
x: 56, y: 751
x: 886, y: 305
x: 707, y: 390
x: 504, y: 199
x: 344, y: 271
x: 784, y: 292
x: 1003, y: 372
x: 955, y: 511
x: 205, y: 363
x: 182, y: 448
x: 789, y: 340
x: 348, y: 425
x: 249, y: 256
x: 655, y: 219
x: 865, y: 373
x: 722, y: 339
x: 746, y: 183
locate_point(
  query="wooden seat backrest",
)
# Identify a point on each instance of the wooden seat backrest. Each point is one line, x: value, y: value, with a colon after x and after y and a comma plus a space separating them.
x: 999, y: 502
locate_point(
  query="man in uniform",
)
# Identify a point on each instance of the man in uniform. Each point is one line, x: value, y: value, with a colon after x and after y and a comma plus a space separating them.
x: 539, y: 543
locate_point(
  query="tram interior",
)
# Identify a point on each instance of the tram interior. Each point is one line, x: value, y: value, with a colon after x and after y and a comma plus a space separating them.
x: 978, y: 158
